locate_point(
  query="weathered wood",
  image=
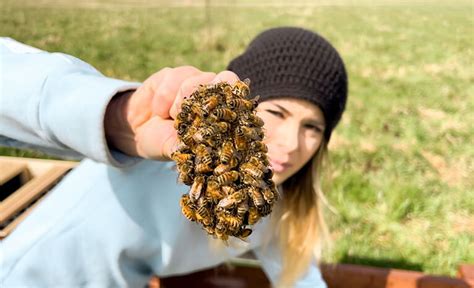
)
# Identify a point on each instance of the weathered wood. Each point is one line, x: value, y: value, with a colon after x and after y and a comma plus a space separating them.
x: 9, y: 170
x: 466, y: 272
x: 336, y: 276
x: 38, y: 176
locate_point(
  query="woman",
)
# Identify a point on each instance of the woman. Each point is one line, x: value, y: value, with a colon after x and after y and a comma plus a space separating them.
x: 302, y: 85
x: 117, y: 224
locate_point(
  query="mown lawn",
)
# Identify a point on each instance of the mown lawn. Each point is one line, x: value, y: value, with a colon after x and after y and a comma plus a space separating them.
x: 402, y: 158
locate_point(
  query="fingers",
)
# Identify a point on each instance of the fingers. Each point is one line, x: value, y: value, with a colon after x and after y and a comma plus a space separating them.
x: 226, y: 76
x: 167, y: 85
x: 190, y: 85
x: 157, y: 139
x: 187, y: 88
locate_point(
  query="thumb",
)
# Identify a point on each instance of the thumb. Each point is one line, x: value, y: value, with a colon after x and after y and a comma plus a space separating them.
x: 157, y: 139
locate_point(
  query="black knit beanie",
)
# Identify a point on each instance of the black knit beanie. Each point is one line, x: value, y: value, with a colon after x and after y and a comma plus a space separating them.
x: 295, y: 62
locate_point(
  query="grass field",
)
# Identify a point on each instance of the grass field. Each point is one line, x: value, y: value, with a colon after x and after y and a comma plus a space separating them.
x: 403, y: 156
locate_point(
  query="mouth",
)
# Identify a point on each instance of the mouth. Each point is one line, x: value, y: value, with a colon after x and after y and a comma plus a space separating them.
x: 278, y: 166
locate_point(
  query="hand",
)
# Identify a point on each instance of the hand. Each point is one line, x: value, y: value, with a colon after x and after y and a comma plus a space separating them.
x: 141, y: 123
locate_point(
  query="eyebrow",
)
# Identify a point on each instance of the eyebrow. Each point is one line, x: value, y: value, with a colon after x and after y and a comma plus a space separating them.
x: 314, y: 121
x: 284, y: 110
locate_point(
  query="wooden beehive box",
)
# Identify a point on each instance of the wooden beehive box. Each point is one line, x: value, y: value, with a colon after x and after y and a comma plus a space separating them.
x: 23, y: 182
x: 335, y: 275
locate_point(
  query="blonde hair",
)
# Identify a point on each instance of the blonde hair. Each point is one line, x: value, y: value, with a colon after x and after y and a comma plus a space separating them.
x: 299, y: 222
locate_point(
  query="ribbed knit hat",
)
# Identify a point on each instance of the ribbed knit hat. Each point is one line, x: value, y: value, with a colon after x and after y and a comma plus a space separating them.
x: 295, y: 62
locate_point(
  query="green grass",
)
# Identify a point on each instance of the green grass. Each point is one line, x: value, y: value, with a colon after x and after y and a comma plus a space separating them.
x: 402, y: 157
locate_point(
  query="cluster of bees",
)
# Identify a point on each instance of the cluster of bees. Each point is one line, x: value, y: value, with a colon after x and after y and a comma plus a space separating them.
x: 222, y: 157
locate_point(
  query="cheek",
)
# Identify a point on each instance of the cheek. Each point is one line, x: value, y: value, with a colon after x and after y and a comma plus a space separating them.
x: 311, y: 146
x: 269, y: 126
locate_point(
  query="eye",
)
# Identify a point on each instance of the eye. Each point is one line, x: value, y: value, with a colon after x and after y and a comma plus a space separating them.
x: 276, y: 113
x: 314, y: 128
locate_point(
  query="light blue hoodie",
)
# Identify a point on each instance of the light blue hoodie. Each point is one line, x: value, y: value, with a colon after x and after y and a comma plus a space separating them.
x: 114, y: 220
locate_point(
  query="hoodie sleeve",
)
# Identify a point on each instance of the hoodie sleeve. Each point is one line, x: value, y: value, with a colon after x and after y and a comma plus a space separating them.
x: 55, y: 103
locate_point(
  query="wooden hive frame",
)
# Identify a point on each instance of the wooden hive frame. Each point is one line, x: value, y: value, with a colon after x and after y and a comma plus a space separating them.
x: 23, y: 182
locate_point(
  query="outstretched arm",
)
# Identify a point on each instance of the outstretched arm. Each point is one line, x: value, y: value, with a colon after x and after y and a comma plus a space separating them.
x: 54, y: 102
x: 63, y: 105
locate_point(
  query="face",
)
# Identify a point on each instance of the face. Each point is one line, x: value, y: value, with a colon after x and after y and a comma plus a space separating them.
x: 293, y: 133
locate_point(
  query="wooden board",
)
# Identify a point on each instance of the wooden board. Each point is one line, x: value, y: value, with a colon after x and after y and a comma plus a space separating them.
x: 37, y: 176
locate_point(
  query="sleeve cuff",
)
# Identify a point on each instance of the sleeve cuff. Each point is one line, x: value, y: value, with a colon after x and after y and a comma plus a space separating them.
x: 76, y: 118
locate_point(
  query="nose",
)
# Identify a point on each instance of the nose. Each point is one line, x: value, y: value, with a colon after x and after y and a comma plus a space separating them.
x: 288, y: 138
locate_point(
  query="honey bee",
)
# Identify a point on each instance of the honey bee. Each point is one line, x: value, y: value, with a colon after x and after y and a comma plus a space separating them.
x: 180, y: 157
x: 203, y: 215
x: 221, y: 169
x: 187, y: 208
x: 234, y: 162
x: 198, y: 110
x: 230, y: 221
x: 252, y: 170
x: 228, y: 93
x: 249, y: 180
x: 242, y: 208
x: 243, y: 233
x: 270, y: 195
x: 213, y: 130
x: 188, y: 137
x: 208, y: 90
x: 209, y: 229
x: 262, y: 158
x: 240, y: 104
x: 270, y: 183
x: 196, y: 122
x: 201, y: 90
x: 254, y: 215
x: 182, y: 117
x: 222, y: 127
x: 203, y: 159
x: 181, y: 147
x: 240, y: 140
x: 224, y: 114
x: 185, y: 178
x: 213, y: 141
x: 265, y: 209
x: 258, y: 146
x: 214, y: 190
x: 221, y: 231
x: 251, y: 133
x: 196, y: 188
x: 258, y: 163
x: 180, y: 127
x: 185, y: 109
x: 227, y: 178
x: 203, y: 167
x: 228, y: 190
x: 255, y: 120
x: 219, y: 127
x: 241, y: 88
x: 231, y: 200
x: 186, y: 172
x: 204, y: 202
x: 210, y: 104
x: 227, y: 152
x: 256, y: 196
x: 269, y: 174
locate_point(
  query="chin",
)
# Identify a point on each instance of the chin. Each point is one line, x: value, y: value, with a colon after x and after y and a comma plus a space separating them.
x: 279, y: 179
